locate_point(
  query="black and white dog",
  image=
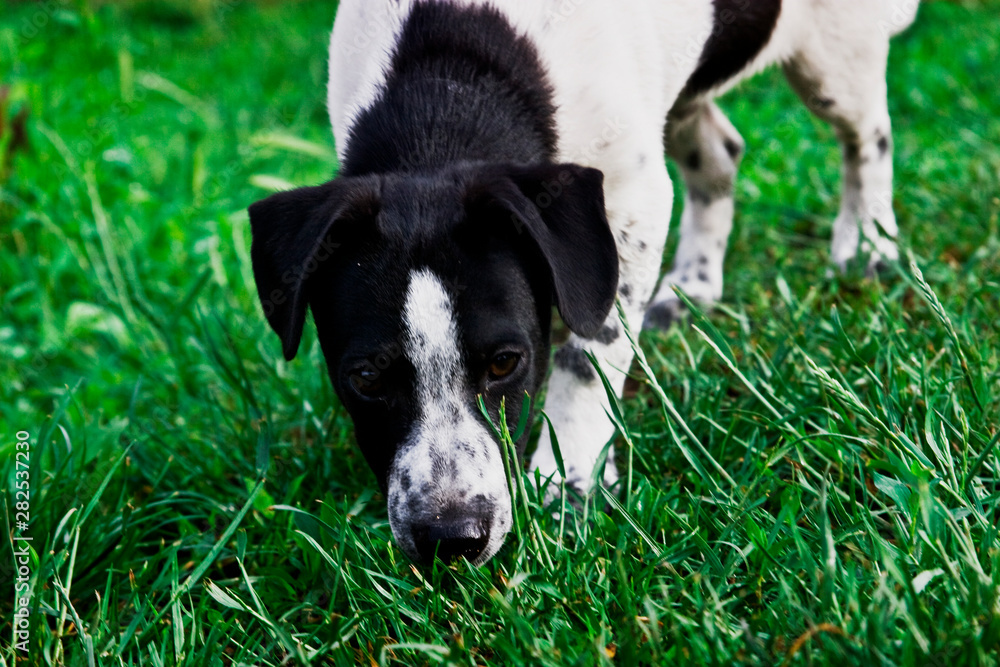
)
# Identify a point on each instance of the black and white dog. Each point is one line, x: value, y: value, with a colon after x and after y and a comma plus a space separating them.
x: 499, y: 157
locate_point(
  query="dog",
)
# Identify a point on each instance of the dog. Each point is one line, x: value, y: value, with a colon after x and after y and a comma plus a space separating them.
x: 499, y: 158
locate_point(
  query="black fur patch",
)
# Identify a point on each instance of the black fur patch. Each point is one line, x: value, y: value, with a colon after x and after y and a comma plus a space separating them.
x: 574, y: 360
x: 741, y: 29
x: 607, y: 334
x: 664, y: 315
x: 462, y: 86
x: 883, y: 145
x: 694, y: 161
x: 732, y: 148
x: 699, y: 195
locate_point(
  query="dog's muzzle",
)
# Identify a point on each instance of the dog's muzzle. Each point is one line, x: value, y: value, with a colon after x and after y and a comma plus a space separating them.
x: 449, y: 501
x: 451, y: 538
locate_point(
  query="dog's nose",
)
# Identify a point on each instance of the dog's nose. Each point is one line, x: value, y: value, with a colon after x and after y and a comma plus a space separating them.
x: 451, y: 539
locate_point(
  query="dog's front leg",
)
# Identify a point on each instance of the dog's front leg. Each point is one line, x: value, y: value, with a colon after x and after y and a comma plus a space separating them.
x: 638, y: 206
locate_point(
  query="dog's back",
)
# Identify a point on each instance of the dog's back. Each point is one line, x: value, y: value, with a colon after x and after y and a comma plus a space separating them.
x: 647, y: 52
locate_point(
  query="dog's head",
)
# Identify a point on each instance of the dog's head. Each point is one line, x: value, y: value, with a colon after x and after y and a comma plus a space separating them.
x: 428, y: 289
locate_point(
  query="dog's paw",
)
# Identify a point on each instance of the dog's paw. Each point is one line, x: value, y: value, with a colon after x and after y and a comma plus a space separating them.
x: 701, y: 281
x: 850, y: 249
x: 873, y: 263
x: 665, y: 314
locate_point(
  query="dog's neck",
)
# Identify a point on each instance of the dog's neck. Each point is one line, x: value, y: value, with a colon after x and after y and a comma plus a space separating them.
x: 451, y: 95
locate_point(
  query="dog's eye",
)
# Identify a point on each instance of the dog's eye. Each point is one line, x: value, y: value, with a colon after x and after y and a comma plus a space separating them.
x: 503, y: 365
x: 366, y: 381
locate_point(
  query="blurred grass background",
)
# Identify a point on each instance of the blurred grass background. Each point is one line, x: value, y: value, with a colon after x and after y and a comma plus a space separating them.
x: 855, y: 420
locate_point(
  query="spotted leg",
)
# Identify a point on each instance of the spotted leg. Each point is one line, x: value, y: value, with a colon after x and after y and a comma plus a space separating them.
x: 638, y: 205
x: 707, y: 148
x: 842, y: 81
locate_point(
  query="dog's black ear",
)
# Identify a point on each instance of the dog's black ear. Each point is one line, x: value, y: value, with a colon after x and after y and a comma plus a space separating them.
x: 561, y: 206
x: 294, y: 233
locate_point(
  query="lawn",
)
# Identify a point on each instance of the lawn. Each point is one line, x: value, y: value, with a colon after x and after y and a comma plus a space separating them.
x: 813, y: 473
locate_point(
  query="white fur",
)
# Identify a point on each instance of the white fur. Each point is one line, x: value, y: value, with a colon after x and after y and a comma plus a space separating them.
x: 834, y: 53
x: 446, y: 435
x: 616, y: 74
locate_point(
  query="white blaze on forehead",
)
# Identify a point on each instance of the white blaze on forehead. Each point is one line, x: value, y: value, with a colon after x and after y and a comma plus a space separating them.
x: 449, y: 460
x: 432, y: 336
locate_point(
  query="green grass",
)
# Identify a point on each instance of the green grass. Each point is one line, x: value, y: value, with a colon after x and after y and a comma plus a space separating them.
x: 814, y: 472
